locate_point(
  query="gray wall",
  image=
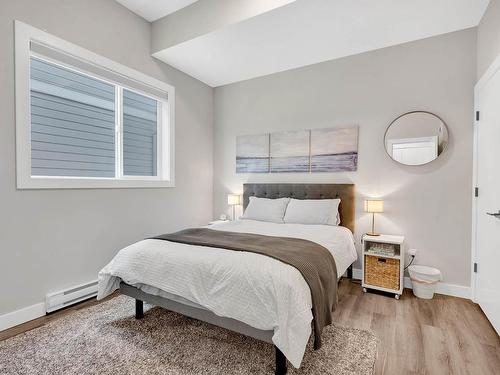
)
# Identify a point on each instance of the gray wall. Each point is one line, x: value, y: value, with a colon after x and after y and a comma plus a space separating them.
x: 430, y: 205
x: 58, y: 238
x: 488, y: 37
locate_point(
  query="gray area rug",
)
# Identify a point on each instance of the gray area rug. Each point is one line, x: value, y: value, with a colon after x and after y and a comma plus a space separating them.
x: 107, y: 339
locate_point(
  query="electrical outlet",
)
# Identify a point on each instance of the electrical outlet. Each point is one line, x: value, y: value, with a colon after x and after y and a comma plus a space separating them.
x: 412, y: 252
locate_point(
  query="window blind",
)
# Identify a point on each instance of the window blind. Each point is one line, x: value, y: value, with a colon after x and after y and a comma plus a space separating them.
x: 72, y: 123
x: 67, y: 59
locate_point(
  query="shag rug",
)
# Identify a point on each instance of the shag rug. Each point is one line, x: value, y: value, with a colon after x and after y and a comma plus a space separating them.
x: 107, y: 339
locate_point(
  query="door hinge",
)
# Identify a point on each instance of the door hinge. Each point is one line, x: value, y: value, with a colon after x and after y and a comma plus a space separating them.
x: 475, y: 267
x: 476, y: 192
x: 477, y: 115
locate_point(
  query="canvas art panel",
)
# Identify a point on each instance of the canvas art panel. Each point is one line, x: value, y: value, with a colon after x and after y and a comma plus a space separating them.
x: 290, y: 151
x: 334, y: 149
x: 299, y: 151
x: 252, y: 153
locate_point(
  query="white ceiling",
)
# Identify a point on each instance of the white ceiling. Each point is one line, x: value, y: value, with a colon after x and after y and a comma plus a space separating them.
x: 306, y: 32
x: 152, y: 10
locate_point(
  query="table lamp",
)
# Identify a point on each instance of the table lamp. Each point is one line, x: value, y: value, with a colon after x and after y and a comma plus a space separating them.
x: 374, y: 206
x: 233, y: 200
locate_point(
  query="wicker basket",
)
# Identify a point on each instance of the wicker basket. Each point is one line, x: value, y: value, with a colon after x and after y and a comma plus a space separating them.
x: 383, y: 272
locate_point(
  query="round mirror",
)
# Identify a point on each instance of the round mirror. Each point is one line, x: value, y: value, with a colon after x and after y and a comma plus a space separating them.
x: 416, y: 138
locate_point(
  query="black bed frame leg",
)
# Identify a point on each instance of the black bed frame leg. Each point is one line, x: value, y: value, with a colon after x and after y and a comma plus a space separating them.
x: 139, y: 309
x: 280, y: 362
x: 349, y: 272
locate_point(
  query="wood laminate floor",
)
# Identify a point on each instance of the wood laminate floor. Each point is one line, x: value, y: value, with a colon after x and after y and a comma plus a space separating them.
x: 445, y: 335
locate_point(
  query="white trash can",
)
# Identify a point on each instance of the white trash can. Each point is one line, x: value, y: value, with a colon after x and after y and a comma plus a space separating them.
x: 424, y: 280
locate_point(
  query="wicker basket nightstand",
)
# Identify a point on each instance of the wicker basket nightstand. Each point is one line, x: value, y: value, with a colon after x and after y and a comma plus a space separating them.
x: 383, y: 262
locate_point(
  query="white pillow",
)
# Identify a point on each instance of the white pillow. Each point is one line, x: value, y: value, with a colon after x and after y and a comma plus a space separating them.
x: 313, y: 211
x: 265, y: 209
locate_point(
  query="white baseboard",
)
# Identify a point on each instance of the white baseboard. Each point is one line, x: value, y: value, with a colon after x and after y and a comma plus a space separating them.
x: 23, y: 315
x: 454, y: 290
x: 441, y: 288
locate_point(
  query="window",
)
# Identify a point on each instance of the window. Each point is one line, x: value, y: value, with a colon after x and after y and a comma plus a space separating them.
x: 72, y: 123
x: 83, y: 121
x: 140, y: 130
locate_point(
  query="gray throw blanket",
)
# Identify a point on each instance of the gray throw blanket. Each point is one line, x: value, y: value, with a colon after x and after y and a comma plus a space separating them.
x: 313, y: 261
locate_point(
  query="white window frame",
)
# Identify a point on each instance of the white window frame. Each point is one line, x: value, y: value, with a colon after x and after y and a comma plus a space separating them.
x: 24, y: 35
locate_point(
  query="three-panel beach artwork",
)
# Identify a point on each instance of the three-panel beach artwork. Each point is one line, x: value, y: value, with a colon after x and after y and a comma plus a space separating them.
x: 317, y: 150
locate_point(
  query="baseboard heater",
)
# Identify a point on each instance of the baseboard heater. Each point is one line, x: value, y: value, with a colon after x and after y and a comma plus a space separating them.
x: 68, y: 297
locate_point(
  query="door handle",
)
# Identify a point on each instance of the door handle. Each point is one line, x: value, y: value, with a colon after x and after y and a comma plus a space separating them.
x: 497, y: 215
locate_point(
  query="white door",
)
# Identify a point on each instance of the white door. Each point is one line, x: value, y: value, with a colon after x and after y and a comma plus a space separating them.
x: 414, y: 151
x: 487, y: 282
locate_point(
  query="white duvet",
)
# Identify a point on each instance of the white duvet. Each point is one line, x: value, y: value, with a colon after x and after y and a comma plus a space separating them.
x: 257, y: 290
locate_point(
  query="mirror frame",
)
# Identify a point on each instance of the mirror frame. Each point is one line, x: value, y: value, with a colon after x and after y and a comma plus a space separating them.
x: 409, y: 113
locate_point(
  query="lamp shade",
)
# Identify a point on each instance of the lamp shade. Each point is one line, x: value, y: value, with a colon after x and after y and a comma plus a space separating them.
x: 233, y: 199
x: 374, y: 205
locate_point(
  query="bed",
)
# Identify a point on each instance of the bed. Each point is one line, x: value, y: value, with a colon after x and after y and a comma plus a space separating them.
x: 244, y: 292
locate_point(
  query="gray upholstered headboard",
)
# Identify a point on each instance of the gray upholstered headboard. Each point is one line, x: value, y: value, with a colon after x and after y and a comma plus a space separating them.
x: 307, y: 191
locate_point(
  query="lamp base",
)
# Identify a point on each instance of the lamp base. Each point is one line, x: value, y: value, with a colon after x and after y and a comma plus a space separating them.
x: 373, y: 234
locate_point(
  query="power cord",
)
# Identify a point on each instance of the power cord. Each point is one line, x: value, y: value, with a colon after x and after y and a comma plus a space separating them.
x: 409, y: 264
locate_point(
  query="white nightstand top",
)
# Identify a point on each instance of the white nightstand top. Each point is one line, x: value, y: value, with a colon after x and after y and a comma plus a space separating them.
x: 217, y: 222
x: 385, y: 238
